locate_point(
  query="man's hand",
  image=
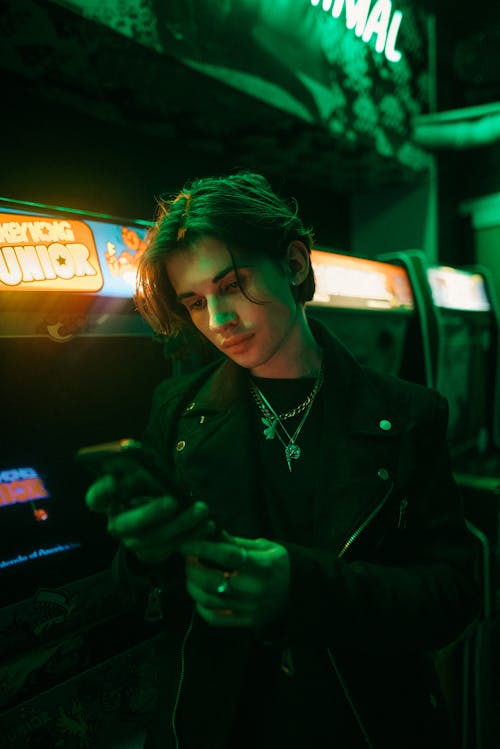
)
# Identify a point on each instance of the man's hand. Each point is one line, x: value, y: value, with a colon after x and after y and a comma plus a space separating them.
x: 246, y: 584
x: 154, y: 527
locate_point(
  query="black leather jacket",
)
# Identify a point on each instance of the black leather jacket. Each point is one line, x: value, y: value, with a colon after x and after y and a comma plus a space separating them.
x: 388, y: 581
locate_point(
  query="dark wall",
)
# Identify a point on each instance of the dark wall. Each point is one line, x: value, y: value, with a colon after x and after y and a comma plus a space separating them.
x: 63, y: 156
x: 463, y: 176
x: 467, y: 76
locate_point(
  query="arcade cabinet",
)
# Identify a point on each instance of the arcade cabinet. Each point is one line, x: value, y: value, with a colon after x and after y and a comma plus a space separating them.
x: 373, y: 309
x: 78, y: 366
x: 461, y: 316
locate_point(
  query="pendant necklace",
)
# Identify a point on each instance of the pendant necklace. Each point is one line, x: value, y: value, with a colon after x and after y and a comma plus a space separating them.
x: 273, y: 422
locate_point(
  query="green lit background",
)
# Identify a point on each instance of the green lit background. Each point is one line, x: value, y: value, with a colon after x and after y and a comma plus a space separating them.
x: 106, y: 104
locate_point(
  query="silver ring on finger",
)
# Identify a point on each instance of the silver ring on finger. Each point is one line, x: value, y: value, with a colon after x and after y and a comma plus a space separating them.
x: 223, y: 588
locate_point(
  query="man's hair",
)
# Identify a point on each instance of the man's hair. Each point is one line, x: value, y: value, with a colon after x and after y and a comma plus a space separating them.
x: 242, y: 211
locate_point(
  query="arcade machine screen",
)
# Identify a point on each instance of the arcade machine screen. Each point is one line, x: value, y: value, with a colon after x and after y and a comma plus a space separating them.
x: 78, y: 366
x: 464, y: 354
x: 368, y: 305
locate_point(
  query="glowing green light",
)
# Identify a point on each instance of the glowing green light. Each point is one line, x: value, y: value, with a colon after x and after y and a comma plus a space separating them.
x: 368, y: 21
x: 26, y: 204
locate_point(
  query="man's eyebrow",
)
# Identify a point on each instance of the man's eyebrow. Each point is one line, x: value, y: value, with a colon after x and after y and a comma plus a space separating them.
x: 215, y: 279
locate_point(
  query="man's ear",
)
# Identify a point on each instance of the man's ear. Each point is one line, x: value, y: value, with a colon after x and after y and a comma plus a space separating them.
x: 297, y: 262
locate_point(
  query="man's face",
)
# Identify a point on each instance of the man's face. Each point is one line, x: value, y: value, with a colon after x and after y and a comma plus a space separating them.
x: 255, y: 336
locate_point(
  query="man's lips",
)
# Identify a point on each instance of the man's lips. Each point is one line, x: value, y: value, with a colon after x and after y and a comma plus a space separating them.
x: 235, y: 340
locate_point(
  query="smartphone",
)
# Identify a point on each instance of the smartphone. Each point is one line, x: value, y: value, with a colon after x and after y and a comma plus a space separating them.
x: 125, y: 458
x: 105, y: 456
x: 135, y: 463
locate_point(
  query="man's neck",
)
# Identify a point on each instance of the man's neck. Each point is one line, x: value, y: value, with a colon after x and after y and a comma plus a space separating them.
x: 299, y: 356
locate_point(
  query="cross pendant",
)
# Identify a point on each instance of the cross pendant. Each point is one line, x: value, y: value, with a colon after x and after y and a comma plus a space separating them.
x: 292, y: 451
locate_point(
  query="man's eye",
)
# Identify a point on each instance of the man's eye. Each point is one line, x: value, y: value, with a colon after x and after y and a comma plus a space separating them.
x: 198, y: 304
x: 231, y: 286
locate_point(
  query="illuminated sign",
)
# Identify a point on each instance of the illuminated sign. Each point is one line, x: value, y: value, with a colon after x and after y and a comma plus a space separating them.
x: 39, y: 253
x: 369, y: 21
x: 454, y: 288
x: 19, y: 485
x: 49, y: 252
x: 358, y: 283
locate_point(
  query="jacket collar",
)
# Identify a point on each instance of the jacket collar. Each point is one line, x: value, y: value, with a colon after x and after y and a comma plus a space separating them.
x: 354, y: 398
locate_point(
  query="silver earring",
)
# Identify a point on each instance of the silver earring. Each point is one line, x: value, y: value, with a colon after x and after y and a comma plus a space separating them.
x: 293, y: 282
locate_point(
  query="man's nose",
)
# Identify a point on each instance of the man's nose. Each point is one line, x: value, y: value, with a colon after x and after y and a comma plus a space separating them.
x: 219, y: 314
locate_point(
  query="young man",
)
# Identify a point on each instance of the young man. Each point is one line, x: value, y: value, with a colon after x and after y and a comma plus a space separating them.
x: 326, y: 556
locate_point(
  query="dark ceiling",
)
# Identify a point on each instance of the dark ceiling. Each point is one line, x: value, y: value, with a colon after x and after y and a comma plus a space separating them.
x: 73, y: 64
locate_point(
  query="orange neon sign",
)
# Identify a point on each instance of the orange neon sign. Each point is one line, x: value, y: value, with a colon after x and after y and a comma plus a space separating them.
x: 47, y: 254
x: 22, y: 490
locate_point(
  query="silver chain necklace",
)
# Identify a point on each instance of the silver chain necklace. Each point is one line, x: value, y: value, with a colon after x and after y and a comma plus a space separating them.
x: 273, y: 422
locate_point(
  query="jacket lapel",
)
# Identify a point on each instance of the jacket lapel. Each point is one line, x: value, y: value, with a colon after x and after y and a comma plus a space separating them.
x: 217, y: 460
x: 356, y: 470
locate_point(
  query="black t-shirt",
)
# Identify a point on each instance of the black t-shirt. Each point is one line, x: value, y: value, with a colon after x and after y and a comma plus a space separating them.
x: 280, y: 709
x: 287, y: 496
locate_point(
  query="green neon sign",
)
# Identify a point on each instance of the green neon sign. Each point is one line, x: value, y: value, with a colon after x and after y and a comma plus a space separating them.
x: 366, y: 21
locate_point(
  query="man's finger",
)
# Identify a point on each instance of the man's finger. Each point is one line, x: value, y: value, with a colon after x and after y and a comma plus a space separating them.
x: 251, y: 544
x: 225, y: 556
x: 101, y: 494
x: 161, y: 520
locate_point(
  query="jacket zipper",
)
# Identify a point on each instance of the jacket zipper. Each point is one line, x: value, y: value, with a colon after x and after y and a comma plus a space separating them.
x: 403, y: 505
x: 349, y: 699
x: 180, y: 681
x: 331, y: 658
x: 366, y: 522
